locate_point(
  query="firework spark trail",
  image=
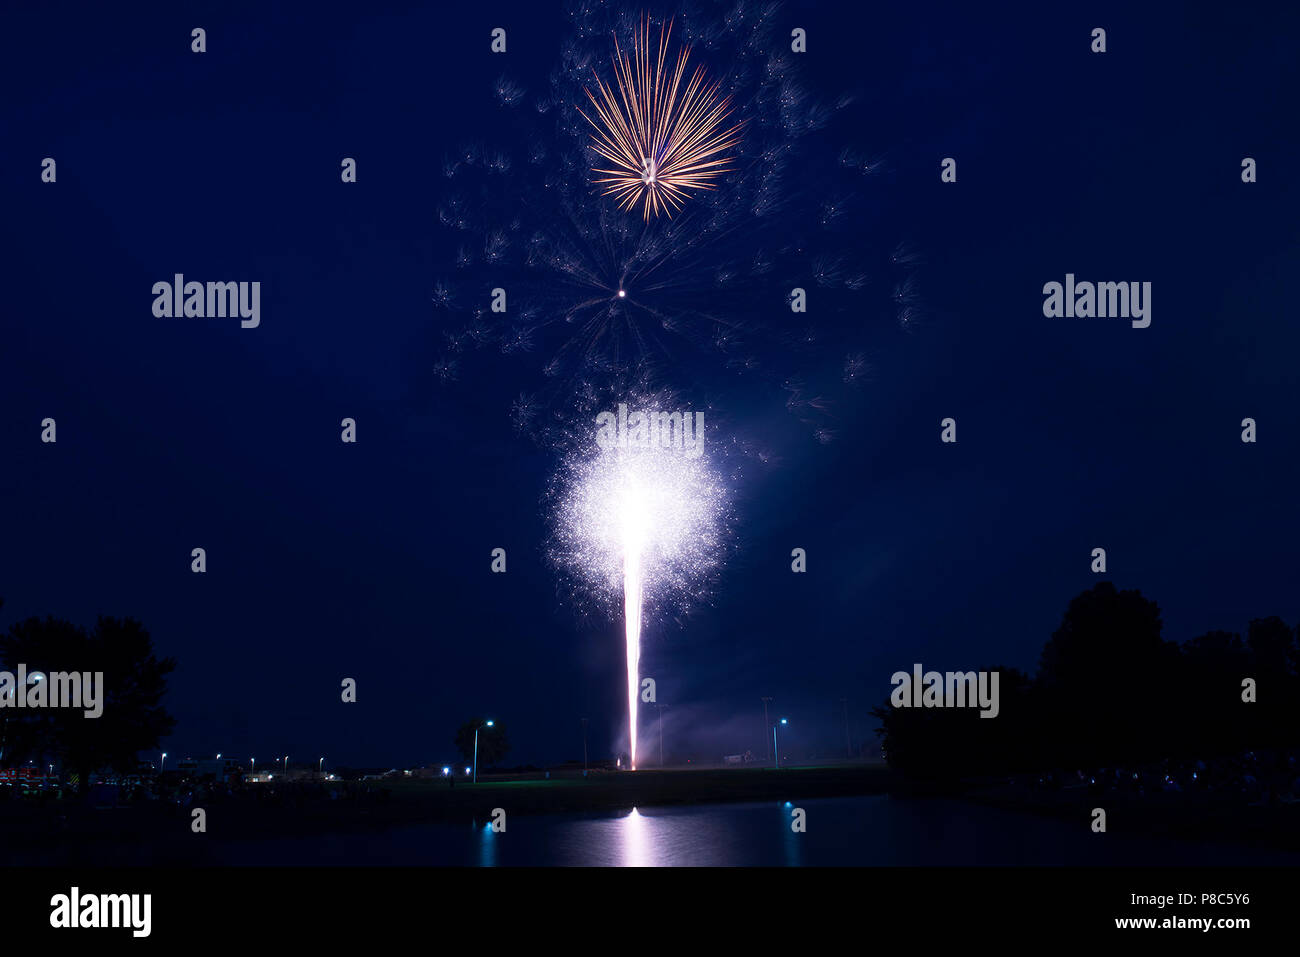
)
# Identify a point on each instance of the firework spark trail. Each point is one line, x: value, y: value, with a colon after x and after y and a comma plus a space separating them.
x: 644, y: 524
x: 632, y: 637
x: 663, y: 139
x: 633, y: 521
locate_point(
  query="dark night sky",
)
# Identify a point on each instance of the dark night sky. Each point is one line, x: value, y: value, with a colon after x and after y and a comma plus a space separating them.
x: 371, y: 561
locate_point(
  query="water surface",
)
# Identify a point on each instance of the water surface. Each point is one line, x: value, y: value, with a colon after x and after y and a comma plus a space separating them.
x: 857, y: 831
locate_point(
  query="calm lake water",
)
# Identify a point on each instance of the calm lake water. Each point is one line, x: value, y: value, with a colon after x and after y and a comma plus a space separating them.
x: 859, y: 831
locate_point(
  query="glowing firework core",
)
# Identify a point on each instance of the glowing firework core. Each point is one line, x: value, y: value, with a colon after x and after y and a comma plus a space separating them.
x: 646, y: 522
x: 664, y: 137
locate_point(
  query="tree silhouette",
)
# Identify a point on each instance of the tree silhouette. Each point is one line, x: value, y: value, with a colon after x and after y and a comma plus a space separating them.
x: 1271, y: 644
x: 493, y: 743
x: 942, y: 742
x: 134, y: 682
x: 1213, y: 666
x: 1111, y: 690
x: 1106, y: 677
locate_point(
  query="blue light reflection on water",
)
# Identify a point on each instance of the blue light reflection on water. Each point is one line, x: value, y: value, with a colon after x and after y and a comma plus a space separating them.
x: 859, y: 831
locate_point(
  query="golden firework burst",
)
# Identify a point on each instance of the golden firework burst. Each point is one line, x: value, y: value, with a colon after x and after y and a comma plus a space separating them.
x: 664, y: 137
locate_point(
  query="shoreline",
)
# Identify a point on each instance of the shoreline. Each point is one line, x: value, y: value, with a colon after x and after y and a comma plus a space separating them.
x: 70, y: 833
x: 73, y: 829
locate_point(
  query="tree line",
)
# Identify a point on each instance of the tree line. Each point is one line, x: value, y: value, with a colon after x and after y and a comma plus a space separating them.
x: 1111, y: 690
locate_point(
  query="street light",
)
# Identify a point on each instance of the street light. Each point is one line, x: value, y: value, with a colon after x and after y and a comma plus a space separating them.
x: 163, y: 763
x: 774, y: 745
x: 320, y: 766
x: 476, y: 731
x: 286, y: 765
x: 252, y: 764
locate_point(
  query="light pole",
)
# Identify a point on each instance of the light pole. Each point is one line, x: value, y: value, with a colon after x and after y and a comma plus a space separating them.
x: 320, y: 766
x: 476, y: 731
x: 774, y: 744
x: 765, y: 722
x: 163, y: 763
x: 285, y: 772
x: 252, y: 765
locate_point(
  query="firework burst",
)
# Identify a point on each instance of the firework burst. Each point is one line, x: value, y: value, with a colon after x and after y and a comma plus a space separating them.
x: 696, y: 301
x: 663, y: 138
x: 644, y: 523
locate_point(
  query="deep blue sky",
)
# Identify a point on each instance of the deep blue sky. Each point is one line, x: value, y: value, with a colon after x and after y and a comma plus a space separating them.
x: 329, y: 561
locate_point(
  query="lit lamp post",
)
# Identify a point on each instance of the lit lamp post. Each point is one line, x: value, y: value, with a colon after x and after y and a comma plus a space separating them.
x: 476, y: 731
x: 774, y: 745
x: 320, y: 767
x: 162, y: 765
x: 286, y: 766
